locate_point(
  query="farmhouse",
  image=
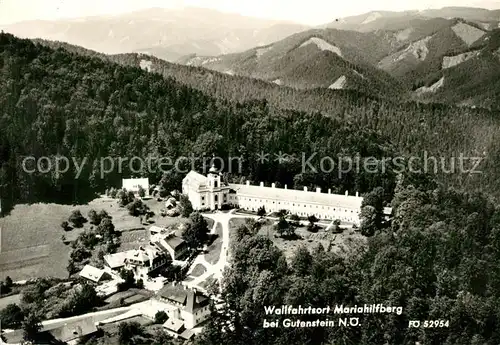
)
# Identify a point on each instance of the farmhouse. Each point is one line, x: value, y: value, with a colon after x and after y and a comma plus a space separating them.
x: 142, y: 261
x: 186, y: 308
x: 94, y: 274
x: 168, y: 242
x: 209, y: 192
x: 133, y: 184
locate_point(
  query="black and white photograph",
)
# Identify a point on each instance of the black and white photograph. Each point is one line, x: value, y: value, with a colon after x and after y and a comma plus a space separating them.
x: 267, y: 172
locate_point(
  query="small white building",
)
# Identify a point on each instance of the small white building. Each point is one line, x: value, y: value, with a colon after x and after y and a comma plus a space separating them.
x: 186, y: 308
x: 208, y: 192
x: 133, y: 184
x: 168, y: 242
x: 94, y: 274
x: 142, y: 261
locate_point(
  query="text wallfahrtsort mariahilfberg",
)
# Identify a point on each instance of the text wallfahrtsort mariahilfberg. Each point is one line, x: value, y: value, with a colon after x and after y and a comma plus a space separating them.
x: 289, y: 316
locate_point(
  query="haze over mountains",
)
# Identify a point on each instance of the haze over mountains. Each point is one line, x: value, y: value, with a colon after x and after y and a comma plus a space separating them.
x: 449, y: 55
x: 165, y: 33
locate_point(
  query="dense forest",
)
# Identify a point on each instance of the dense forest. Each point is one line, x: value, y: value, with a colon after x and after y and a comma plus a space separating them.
x: 440, y: 260
x: 56, y: 103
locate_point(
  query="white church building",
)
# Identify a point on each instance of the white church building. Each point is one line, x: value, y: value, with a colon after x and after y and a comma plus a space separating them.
x: 209, y: 192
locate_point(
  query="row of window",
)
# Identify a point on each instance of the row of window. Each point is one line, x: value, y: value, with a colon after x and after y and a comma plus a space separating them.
x: 293, y: 205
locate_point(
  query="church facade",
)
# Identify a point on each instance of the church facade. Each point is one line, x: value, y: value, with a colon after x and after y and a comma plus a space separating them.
x: 209, y: 192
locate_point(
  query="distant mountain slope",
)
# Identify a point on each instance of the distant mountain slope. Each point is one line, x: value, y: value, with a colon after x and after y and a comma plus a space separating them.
x: 166, y: 33
x: 470, y: 77
x: 312, y: 59
x: 423, y: 55
x: 387, y: 20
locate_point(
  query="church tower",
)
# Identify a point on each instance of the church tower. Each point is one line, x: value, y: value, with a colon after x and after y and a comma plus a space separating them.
x: 213, y: 178
x: 214, y: 187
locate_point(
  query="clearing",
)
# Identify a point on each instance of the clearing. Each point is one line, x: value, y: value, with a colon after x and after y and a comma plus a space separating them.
x: 341, y: 243
x: 31, y: 235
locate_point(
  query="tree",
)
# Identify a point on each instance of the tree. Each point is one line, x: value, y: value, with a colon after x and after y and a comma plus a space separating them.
x: 302, y: 261
x: 11, y: 316
x: 65, y: 226
x: 71, y: 267
x: 375, y: 199
x: 129, y: 280
x: 81, y: 299
x: 261, y: 211
x: 196, y: 232
x: 137, y: 208
x: 77, y: 219
x: 102, y: 214
x: 141, y: 192
x: 106, y: 229
x: 294, y: 219
x: 139, y: 284
x: 185, y: 206
x: 283, y: 227
x: 336, y: 226
x: 113, y: 192
x: 161, y: 317
x: 93, y: 217
x: 368, y: 218
x: 312, y: 222
x: 160, y: 337
x: 31, y: 326
x: 122, y: 197
x: 128, y: 333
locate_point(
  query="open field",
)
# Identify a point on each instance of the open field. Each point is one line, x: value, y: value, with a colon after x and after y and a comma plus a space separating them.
x: 133, y: 239
x: 5, y: 301
x: 31, y: 244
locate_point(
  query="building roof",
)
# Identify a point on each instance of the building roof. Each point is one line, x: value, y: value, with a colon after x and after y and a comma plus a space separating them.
x: 132, y: 184
x: 174, y: 324
x: 190, y: 299
x: 143, y: 254
x: 299, y: 196
x: 138, y: 255
x: 187, y: 334
x: 74, y: 330
x: 156, y: 229
x: 92, y: 273
x: 116, y: 260
x: 198, y: 178
x: 174, y: 242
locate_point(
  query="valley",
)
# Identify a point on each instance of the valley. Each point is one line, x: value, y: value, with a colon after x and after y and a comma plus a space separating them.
x: 353, y: 162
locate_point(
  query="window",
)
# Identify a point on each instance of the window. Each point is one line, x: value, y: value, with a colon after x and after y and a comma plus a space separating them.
x: 216, y: 198
x: 202, y: 198
x: 215, y: 184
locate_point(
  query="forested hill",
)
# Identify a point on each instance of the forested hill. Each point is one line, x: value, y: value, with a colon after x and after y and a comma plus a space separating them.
x: 56, y: 102
x: 443, y: 131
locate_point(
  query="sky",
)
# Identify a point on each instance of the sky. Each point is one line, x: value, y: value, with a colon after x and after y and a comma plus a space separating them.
x: 310, y: 12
